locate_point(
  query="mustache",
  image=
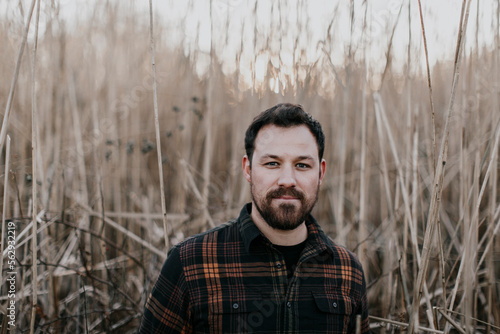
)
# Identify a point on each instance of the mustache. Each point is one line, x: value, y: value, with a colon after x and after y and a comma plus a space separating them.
x: 279, y: 192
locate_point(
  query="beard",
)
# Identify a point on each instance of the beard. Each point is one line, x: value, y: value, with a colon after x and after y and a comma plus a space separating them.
x: 287, y: 216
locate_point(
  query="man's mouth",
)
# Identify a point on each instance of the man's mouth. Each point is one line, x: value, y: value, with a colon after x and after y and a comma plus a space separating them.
x: 287, y: 198
x: 285, y: 195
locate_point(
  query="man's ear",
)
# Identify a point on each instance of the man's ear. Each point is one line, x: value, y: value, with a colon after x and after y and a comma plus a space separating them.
x: 322, y: 170
x: 246, y: 168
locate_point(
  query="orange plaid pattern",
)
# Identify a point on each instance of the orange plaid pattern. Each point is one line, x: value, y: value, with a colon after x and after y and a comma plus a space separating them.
x: 232, y: 280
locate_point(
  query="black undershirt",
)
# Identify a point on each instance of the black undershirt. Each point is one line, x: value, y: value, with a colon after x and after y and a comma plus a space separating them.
x: 292, y: 255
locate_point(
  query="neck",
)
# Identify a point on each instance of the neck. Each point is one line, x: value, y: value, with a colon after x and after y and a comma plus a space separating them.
x: 279, y: 237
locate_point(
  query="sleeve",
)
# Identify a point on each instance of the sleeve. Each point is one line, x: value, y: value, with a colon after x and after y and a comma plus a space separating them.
x: 167, y: 308
x: 363, y: 307
x: 357, y: 287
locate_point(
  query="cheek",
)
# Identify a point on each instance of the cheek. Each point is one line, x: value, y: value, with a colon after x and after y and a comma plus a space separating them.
x: 311, y: 184
x: 262, y: 177
x: 258, y: 183
x: 262, y: 182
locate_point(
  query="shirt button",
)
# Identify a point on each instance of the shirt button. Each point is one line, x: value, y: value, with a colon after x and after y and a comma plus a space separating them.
x: 278, y: 266
x: 334, y: 304
x: 235, y: 306
x: 288, y: 304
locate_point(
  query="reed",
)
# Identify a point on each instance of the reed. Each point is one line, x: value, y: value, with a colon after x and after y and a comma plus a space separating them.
x: 4, y: 206
x: 34, y: 174
x: 157, y: 126
x: 8, y: 107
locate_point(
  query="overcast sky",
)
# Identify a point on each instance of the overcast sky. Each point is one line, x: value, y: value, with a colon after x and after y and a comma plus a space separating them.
x: 441, y: 18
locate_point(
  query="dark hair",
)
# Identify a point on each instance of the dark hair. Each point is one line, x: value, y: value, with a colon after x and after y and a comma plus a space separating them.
x: 284, y: 115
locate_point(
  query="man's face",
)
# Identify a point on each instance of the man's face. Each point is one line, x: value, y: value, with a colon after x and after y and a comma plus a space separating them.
x: 285, y: 175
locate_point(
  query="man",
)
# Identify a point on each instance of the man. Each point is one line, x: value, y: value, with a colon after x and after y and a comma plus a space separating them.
x: 271, y: 270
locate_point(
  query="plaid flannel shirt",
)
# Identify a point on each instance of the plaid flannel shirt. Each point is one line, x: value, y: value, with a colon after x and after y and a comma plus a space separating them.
x: 232, y: 280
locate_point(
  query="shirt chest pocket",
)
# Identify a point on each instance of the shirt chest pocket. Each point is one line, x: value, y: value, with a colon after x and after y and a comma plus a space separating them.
x: 334, y: 313
x: 334, y: 304
x: 242, y: 314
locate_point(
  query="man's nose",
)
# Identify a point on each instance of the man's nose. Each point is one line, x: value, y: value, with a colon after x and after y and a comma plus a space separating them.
x: 287, y: 177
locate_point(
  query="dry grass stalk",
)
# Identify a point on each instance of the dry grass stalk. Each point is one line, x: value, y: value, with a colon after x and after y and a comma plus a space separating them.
x: 124, y: 231
x: 388, y: 54
x: 388, y: 232
x: 382, y: 121
x: 404, y: 325
x: 441, y: 310
x: 83, y: 194
x: 452, y: 322
x: 147, y: 215
x: 468, y: 251
x: 411, y: 156
x: 489, y: 171
x: 429, y: 83
x: 157, y: 127
x: 197, y: 192
x: 5, y: 122
x: 208, y: 142
x: 489, y: 251
x: 26, y: 231
x: 438, y: 177
x: 363, y: 177
x: 207, y: 153
x: 4, y: 206
x: 339, y: 212
x: 34, y: 154
x: 382, y: 118
x: 493, y: 302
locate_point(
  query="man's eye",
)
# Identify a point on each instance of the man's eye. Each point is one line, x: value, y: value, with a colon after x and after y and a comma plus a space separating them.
x: 271, y: 164
x: 301, y: 165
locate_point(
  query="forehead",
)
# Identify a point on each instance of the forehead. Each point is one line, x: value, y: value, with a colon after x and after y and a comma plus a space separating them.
x: 298, y: 140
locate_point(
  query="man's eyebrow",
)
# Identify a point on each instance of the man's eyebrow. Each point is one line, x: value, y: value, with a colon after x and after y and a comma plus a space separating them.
x: 269, y: 156
x: 274, y: 156
x: 305, y: 157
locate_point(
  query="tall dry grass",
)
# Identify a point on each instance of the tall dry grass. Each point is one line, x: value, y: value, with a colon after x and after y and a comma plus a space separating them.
x: 426, y: 232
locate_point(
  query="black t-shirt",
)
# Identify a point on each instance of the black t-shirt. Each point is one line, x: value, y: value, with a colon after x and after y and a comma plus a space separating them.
x: 292, y: 255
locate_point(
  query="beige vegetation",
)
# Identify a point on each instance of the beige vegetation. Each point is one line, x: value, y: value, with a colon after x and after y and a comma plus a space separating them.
x: 100, y: 234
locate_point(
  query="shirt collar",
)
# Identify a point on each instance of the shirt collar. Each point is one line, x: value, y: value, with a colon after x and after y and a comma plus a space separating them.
x: 248, y: 230
x: 317, y: 240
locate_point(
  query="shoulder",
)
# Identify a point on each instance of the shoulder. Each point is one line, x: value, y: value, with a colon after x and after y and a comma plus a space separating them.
x: 220, y: 234
x: 222, y: 231
x: 351, y: 272
x: 341, y: 256
x: 345, y: 257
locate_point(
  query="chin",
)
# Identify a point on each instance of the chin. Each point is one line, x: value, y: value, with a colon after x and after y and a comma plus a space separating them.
x: 289, y: 228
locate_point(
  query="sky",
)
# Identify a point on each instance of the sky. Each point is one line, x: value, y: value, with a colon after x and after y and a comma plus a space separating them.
x: 303, y: 23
